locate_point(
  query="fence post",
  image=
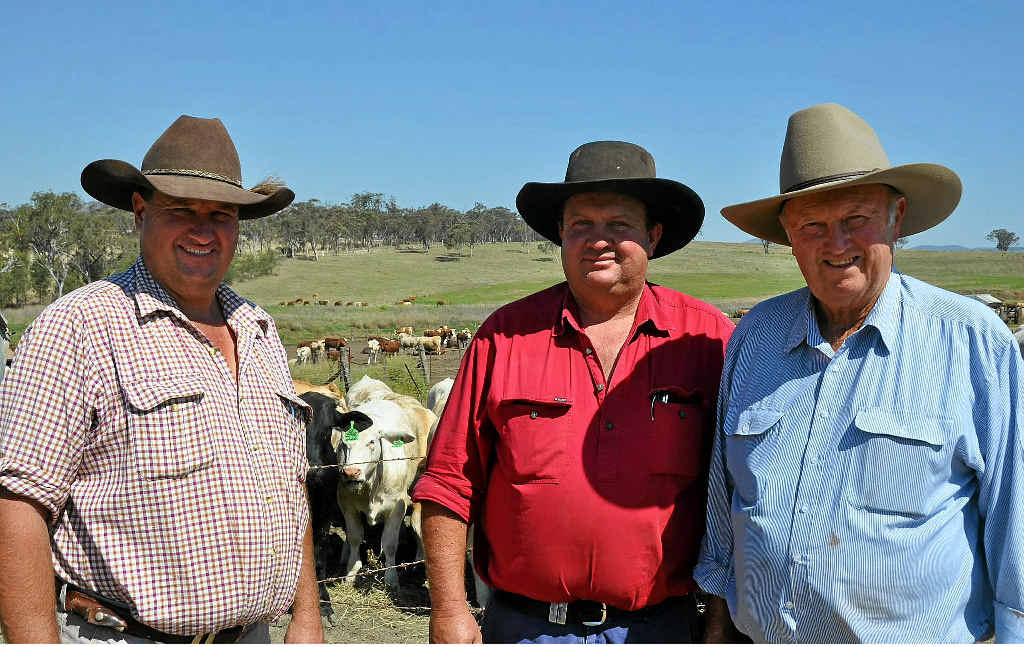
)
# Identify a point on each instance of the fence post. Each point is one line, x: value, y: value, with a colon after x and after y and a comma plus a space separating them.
x: 346, y: 367
x: 426, y: 366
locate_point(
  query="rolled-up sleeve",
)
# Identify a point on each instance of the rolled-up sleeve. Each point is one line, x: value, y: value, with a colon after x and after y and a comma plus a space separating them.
x: 45, y: 413
x: 1001, y: 496
x: 714, y: 569
x: 456, y: 474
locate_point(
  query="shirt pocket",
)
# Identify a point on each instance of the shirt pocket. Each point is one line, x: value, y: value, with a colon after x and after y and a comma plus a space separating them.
x: 532, y: 438
x: 749, y: 452
x: 168, y: 424
x: 899, y: 463
x: 678, y: 417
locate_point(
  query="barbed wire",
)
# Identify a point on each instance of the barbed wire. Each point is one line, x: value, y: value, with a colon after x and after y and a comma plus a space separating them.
x: 374, y: 570
x: 379, y: 460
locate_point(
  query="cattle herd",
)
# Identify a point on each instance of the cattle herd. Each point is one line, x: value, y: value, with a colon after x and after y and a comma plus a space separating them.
x: 366, y: 448
x: 435, y: 342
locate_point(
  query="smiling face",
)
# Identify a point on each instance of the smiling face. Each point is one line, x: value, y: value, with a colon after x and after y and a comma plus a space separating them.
x: 187, y: 244
x: 842, y: 241
x: 606, y: 243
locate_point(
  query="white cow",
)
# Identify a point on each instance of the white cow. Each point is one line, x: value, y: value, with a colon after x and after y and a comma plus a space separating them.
x: 374, y: 347
x: 366, y: 389
x: 379, y: 450
x: 437, y: 397
x: 303, y: 355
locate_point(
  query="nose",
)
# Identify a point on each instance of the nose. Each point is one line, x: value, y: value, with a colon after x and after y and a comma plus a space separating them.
x: 353, y: 473
x: 838, y: 237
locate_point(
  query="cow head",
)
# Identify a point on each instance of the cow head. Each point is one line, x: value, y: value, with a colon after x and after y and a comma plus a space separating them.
x: 373, y: 431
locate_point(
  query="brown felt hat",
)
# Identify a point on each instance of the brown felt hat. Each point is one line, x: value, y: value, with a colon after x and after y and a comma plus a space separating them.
x: 615, y: 167
x: 829, y: 147
x: 194, y: 158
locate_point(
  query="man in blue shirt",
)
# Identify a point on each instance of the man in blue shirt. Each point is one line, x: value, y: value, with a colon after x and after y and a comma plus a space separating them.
x: 867, y: 477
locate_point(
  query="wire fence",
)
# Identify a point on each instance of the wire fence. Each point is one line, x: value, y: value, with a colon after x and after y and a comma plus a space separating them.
x: 379, y: 460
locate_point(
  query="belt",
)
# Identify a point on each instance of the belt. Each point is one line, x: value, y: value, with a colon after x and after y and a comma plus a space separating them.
x: 116, y: 615
x: 584, y: 612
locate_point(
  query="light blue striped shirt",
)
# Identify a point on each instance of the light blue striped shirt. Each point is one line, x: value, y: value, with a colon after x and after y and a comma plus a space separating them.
x: 876, y: 493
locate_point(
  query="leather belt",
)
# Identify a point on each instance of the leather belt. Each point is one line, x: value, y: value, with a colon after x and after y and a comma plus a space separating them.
x: 116, y: 615
x: 584, y: 612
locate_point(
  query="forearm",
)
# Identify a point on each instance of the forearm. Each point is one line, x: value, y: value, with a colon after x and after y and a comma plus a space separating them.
x: 444, y: 541
x: 718, y: 626
x: 28, y: 609
x: 305, y: 625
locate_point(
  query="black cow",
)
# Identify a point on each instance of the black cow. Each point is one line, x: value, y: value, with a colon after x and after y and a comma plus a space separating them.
x: 322, y: 485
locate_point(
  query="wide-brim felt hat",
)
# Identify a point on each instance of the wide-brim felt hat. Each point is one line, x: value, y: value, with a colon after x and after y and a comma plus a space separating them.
x: 829, y: 147
x: 194, y: 158
x: 615, y: 167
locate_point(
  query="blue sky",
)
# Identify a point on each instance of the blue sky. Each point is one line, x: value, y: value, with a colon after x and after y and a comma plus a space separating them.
x: 464, y: 102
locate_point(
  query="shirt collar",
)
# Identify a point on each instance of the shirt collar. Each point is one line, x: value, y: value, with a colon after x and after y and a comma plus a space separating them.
x: 648, y: 315
x: 151, y: 297
x: 883, y: 317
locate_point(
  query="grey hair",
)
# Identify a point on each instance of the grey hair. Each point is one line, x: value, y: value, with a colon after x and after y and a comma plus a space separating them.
x: 894, y: 199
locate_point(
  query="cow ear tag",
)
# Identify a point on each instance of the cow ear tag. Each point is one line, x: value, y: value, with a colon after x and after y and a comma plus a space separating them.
x: 351, y: 434
x: 397, y: 443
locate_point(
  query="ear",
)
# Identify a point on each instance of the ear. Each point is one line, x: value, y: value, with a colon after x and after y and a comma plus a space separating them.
x: 901, y: 210
x: 655, y: 235
x: 344, y: 420
x: 138, y: 204
x: 402, y: 433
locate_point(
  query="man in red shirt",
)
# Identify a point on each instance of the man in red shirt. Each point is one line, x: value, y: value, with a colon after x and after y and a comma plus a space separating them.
x: 578, y: 430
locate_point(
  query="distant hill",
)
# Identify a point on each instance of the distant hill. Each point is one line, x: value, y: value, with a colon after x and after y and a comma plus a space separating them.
x: 960, y: 248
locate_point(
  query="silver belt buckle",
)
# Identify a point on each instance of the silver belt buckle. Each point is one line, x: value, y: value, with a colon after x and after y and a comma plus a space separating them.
x: 557, y: 612
x: 598, y: 623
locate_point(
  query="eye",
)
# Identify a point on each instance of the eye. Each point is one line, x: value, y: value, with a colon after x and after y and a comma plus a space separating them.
x: 856, y: 221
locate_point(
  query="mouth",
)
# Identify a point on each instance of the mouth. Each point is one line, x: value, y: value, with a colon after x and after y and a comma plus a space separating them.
x: 194, y: 251
x: 842, y: 263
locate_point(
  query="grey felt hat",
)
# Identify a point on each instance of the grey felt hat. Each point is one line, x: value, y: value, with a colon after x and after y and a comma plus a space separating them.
x: 828, y: 147
x: 615, y: 167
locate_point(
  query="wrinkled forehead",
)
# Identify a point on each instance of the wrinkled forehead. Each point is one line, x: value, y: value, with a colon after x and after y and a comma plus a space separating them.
x: 863, y: 197
x: 165, y: 201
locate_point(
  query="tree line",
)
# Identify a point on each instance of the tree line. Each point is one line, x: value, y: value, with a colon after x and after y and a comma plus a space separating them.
x: 57, y: 242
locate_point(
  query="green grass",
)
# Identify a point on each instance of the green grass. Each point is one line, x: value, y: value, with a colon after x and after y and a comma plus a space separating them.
x: 728, y: 275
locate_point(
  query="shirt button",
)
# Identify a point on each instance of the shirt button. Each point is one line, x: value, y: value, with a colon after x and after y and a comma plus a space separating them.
x: 589, y: 351
x: 814, y: 460
x: 824, y: 413
x: 533, y: 415
x: 609, y: 425
x: 803, y: 509
x: 600, y: 387
x: 789, y: 605
x: 269, y: 498
x: 745, y: 428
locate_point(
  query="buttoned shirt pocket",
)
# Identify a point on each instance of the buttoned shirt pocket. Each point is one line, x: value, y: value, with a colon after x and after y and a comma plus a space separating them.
x: 749, y: 451
x: 899, y: 462
x: 531, y: 446
x: 168, y: 426
x: 677, y: 418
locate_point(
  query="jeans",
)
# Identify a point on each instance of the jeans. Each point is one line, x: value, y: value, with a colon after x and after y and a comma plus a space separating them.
x: 672, y: 621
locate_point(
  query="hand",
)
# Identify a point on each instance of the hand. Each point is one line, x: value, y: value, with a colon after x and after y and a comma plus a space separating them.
x: 458, y: 626
x: 305, y: 628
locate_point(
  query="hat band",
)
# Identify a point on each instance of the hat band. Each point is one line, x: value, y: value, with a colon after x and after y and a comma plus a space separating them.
x: 193, y: 173
x: 825, y: 180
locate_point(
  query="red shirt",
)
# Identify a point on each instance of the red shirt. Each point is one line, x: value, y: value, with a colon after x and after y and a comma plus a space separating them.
x: 582, y: 489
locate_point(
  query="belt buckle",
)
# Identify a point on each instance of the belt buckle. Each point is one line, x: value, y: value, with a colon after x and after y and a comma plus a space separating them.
x: 597, y: 623
x: 557, y: 612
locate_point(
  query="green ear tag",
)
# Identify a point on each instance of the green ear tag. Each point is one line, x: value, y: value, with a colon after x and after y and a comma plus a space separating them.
x: 351, y: 434
x: 397, y: 443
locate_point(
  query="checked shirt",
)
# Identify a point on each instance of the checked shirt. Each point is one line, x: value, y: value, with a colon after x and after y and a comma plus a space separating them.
x: 169, y: 486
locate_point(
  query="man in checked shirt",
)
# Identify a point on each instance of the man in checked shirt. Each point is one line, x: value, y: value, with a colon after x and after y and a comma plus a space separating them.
x: 865, y: 483
x: 152, y: 457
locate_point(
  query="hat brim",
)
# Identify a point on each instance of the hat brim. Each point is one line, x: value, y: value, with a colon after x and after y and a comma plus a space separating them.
x: 932, y: 192
x: 113, y: 182
x: 676, y: 206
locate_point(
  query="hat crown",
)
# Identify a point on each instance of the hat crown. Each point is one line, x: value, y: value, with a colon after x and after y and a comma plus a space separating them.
x: 828, y: 142
x: 195, y: 144
x: 609, y: 160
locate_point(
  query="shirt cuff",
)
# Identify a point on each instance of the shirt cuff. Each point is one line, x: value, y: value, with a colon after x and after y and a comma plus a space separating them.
x: 1009, y: 624
x: 712, y: 577
x: 27, y: 482
x: 429, y: 488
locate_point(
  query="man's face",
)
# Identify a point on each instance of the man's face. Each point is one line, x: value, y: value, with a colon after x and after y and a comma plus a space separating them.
x: 842, y: 242
x: 605, y: 241
x: 187, y: 244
